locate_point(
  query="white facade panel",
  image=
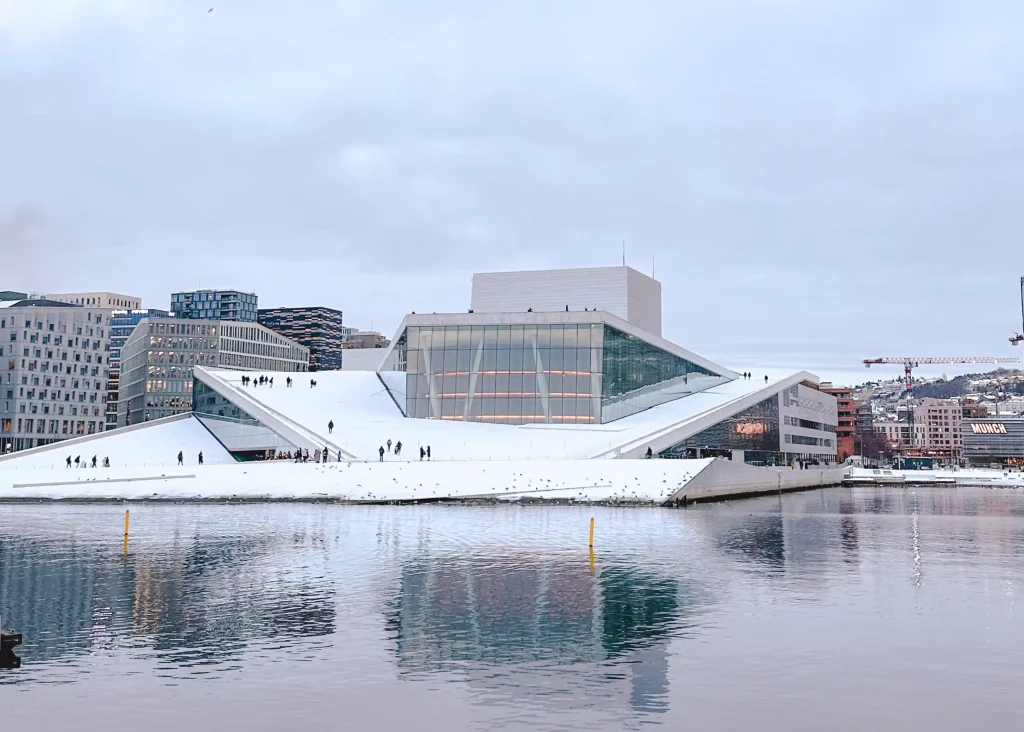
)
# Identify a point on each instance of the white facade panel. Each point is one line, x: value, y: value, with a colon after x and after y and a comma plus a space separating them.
x: 621, y: 291
x: 644, y: 301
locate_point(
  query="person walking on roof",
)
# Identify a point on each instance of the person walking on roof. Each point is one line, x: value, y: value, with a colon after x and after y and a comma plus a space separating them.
x: 106, y: 462
x: 200, y: 457
x: 650, y: 453
x: 271, y: 382
x: 325, y: 454
x: 181, y: 458
x: 94, y: 461
x: 77, y: 458
x: 330, y: 427
x: 381, y: 451
x: 428, y: 452
x: 316, y: 455
x: 69, y: 461
x: 398, y: 448
x: 288, y: 382
x: 422, y: 453
x: 766, y: 378
x: 389, y: 444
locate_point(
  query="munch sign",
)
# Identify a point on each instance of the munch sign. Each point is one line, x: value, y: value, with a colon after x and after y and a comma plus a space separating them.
x: 989, y: 428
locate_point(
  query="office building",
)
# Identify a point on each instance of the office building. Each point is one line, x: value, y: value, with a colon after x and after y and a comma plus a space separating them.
x: 846, y: 426
x: 901, y: 436
x: 941, y: 420
x: 158, y: 358
x: 109, y: 300
x: 122, y: 323
x: 54, y: 371
x: 621, y: 291
x: 863, y: 419
x: 366, y: 339
x: 317, y: 328
x: 215, y: 305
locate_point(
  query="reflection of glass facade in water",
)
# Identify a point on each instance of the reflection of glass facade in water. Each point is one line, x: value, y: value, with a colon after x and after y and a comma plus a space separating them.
x: 200, y: 602
x: 755, y: 430
x: 562, y: 373
x: 443, y: 615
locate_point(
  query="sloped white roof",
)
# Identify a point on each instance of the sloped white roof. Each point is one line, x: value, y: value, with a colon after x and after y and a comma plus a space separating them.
x: 152, y: 443
x: 365, y: 416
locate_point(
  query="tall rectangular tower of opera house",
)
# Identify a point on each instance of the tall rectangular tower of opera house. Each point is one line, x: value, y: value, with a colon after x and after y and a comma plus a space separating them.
x: 621, y: 291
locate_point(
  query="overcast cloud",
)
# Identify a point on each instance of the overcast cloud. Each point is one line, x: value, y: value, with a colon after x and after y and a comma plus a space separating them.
x: 817, y: 181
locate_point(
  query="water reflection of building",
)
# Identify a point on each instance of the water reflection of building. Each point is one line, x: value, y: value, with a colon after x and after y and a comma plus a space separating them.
x: 530, y: 610
x: 205, y: 602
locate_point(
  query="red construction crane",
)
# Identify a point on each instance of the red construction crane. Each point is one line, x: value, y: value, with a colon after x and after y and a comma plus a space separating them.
x: 910, y: 363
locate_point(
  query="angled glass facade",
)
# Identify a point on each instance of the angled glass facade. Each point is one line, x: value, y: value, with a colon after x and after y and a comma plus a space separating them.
x: 636, y: 375
x: 551, y: 373
x: 755, y: 430
x: 207, y: 402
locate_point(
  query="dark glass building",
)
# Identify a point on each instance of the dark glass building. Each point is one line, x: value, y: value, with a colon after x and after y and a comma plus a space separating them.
x: 215, y: 305
x: 319, y: 329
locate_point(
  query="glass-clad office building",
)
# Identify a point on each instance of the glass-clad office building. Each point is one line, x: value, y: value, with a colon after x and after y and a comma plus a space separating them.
x: 546, y: 372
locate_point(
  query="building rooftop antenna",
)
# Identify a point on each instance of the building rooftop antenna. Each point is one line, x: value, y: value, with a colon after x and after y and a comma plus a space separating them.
x: 623, y: 252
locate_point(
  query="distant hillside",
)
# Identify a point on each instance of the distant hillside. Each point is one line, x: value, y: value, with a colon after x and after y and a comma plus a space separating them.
x: 942, y: 389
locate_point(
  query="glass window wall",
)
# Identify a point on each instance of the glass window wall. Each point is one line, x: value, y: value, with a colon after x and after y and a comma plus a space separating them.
x: 755, y: 430
x: 502, y: 373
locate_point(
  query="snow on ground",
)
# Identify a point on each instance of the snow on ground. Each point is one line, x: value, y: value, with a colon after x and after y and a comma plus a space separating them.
x: 587, y: 480
x: 365, y: 417
x: 149, y: 445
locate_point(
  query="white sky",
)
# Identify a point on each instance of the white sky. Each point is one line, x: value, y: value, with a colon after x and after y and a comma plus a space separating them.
x: 819, y: 182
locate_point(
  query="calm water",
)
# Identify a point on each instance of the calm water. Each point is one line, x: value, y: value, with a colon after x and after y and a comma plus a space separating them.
x: 844, y: 609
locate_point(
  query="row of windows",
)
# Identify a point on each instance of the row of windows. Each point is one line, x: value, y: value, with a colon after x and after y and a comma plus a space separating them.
x: 56, y: 409
x: 38, y: 353
x: 190, y: 357
x: 58, y: 326
x: 55, y: 395
x: 51, y: 426
x: 183, y: 343
x: 56, y: 369
x: 59, y: 340
x: 260, y: 363
x: 160, y: 327
x: 808, y: 424
x: 270, y: 348
x: 491, y: 337
x: 802, y: 440
x: 176, y: 386
x: 214, y: 296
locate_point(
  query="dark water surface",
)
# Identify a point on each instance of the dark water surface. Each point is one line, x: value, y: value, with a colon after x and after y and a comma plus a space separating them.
x: 843, y: 609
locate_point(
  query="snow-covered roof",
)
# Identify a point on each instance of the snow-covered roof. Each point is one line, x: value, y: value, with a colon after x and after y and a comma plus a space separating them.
x: 366, y: 416
x: 152, y: 443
